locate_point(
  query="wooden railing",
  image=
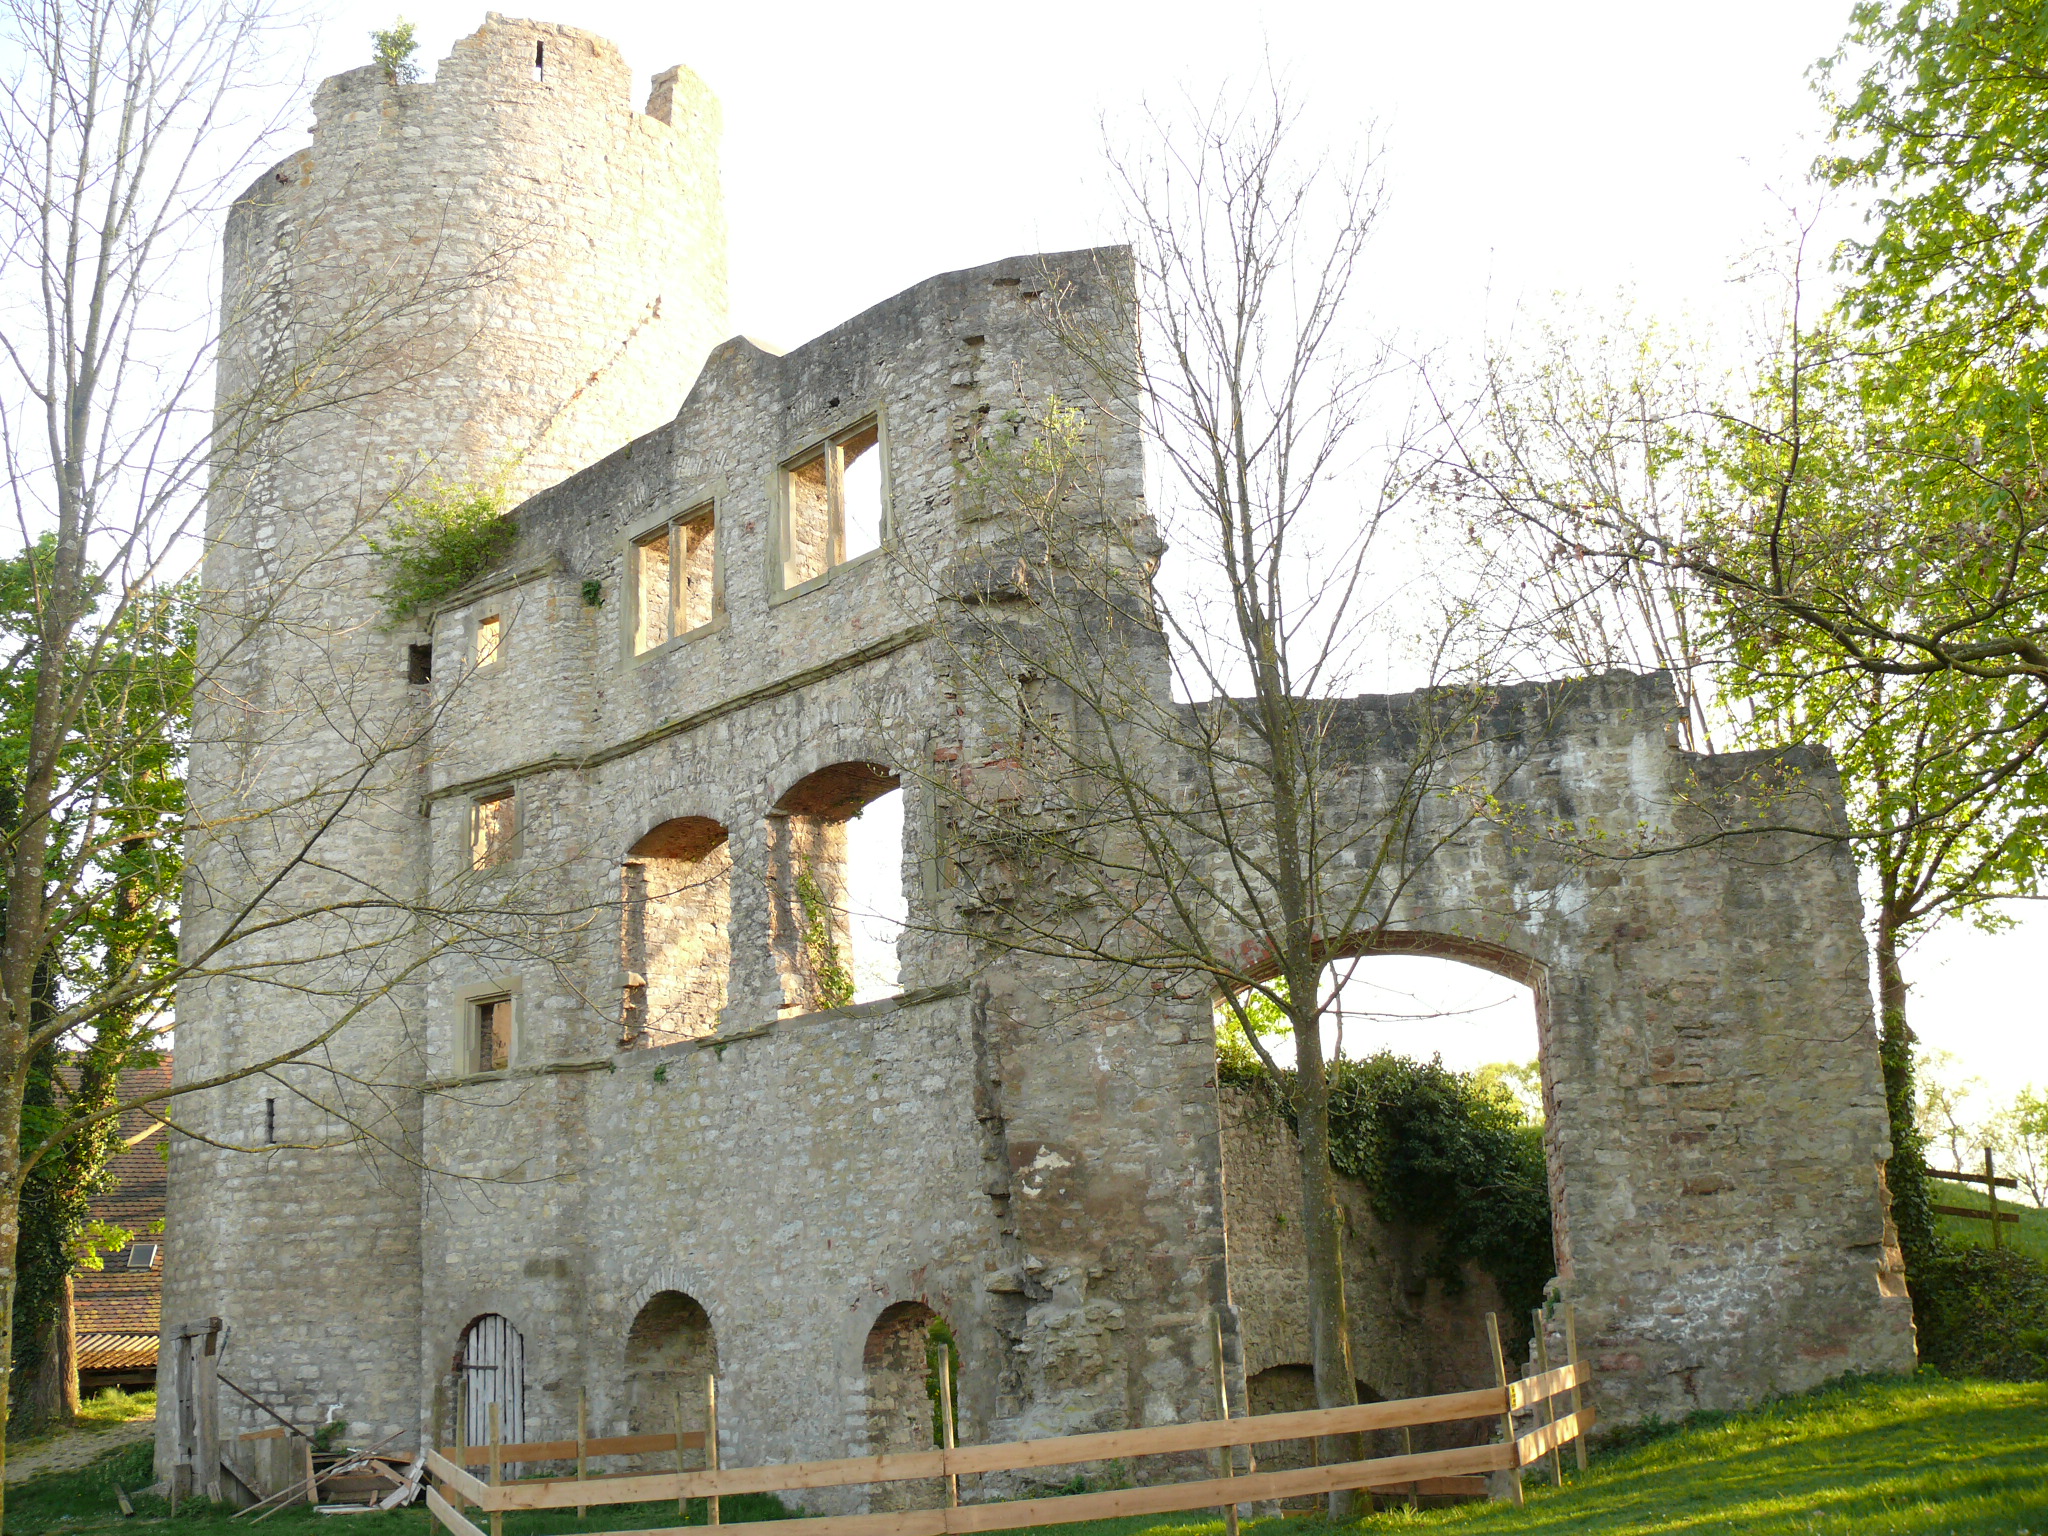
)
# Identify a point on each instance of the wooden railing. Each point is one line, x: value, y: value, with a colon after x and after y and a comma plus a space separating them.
x: 459, y: 1488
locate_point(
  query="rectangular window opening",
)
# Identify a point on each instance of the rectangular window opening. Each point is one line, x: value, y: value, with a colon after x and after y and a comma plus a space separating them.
x: 492, y: 1034
x: 654, y: 594
x: 490, y: 641
x: 491, y: 829
x: 270, y: 1122
x: 419, y: 664
x: 860, y: 479
x: 540, y: 61
x: 696, y: 564
x: 833, y: 505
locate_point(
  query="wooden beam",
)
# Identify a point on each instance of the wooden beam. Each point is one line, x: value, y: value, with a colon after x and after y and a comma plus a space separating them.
x: 1161, y: 1498
x: 471, y: 1488
x: 1976, y: 1213
x: 1531, y: 1390
x: 446, y: 1513
x: 1999, y: 1181
x: 1540, y: 1442
x: 1163, y: 1439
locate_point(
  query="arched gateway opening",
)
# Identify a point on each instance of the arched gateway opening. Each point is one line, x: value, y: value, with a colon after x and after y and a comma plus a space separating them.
x: 490, y: 1366
x: 670, y: 1352
x: 675, y: 932
x: 1441, y: 1141
x: 901, y: 1364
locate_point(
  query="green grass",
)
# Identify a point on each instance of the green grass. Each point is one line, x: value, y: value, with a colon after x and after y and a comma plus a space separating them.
x: 2030, y: 1236
x: 104, y: 1411
x: 1917, y: 1457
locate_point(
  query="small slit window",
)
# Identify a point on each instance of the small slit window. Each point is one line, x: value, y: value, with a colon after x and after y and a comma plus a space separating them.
x: 493, y: 826
x: 832, y: 505
x: 540, y: 61
x: 491, y: 1034
x: 419, y: 664
x: 676, y: 580
x: 490, y: 641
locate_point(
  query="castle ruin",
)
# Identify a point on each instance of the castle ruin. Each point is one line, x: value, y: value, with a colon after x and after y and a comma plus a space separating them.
x: 630, y: 1139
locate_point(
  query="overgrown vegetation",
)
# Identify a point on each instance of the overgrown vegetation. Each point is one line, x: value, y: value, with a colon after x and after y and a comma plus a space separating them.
x: 437, y: 541
x: 1453, y: 1152
x: 821, y: 950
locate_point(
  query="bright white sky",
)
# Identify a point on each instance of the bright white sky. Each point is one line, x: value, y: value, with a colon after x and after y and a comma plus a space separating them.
x: 1530, y: 149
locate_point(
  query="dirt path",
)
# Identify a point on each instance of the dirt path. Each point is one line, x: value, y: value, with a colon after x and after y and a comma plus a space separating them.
x: 71, y: 1451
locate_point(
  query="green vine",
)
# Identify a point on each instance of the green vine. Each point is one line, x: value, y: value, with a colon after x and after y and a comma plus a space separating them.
x: 393, y: 51
x: 437, y: 542
x: 834, y: 981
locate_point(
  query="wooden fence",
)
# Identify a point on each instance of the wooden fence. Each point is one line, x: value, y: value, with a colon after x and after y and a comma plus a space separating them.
x: 1993, y: 1181
x: 1539, y: 1394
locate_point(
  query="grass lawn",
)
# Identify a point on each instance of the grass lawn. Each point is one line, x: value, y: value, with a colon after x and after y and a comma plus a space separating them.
x: 2029, y: 1236
x: 1921, y: 1456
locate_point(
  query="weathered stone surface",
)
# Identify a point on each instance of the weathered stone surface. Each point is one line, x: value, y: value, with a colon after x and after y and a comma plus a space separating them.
x: 1050, y: 1179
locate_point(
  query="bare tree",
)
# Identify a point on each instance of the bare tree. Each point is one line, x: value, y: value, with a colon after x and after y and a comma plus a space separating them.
x: 1170, y: 789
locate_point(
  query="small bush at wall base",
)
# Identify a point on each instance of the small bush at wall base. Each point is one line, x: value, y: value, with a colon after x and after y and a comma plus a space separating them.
x: 1982, y: 1311
x: 437, y: 542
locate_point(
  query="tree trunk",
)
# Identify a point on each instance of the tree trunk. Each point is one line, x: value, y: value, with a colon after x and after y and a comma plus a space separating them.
x: 1322, y: 1230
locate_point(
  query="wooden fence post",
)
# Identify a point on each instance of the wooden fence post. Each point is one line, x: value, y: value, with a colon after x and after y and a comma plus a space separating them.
x: 1223, y: 1412
x: 1549, y: 1399
x: 582, y: 1439
x: 1571, y: 1355
x: 682, y: 1503
x: 946, y: 1433
x: 1507, y: 1416
x: 711, y: 1443
x: 497, y: 1469
x: 1991, y: 1194
x: 312, y: 1483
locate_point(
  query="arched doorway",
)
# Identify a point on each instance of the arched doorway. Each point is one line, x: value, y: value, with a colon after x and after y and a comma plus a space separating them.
x: 670, y: 1352
x: 491, y: 1365
x: 675, y: 932
x: 900, y: 1363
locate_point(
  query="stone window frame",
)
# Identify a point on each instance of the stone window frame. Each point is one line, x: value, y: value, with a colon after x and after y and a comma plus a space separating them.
x: 503, y: 989
x: 507, y: 851
x: 711, y: 503
x: 876, y: 419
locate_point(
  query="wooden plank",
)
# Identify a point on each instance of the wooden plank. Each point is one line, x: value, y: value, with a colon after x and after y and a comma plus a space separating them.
x: 1975, y: 1213
x: 565, y: 1450
x: 1539, y: 1442
x: 2000, y: 1181
x: 446, y: 1513
x: 1440, y: 1487
x: 1162, y: 1498
x: 1163, y: 1439
x: 471, y: 1488
x: 1534, y: 1389
x: 261, y: 1434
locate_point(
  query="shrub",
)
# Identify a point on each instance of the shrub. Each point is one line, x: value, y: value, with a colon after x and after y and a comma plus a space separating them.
x: 1982, y: 1311
x: 438, y: 542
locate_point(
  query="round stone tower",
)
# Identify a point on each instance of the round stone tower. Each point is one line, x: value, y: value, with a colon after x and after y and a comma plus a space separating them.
x: 470, y: 286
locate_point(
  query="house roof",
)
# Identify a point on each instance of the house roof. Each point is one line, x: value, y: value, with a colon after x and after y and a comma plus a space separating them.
x: 121, y: 1299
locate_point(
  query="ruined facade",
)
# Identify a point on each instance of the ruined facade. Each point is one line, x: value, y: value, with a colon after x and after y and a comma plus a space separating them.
x: 614, y: 1123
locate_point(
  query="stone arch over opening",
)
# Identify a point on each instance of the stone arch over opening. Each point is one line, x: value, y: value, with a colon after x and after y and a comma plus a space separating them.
x: 675, y: 932
x: 490, y: 1364
x: 670, y: 1350
x: 827, y: 950
x: 899, y: 1364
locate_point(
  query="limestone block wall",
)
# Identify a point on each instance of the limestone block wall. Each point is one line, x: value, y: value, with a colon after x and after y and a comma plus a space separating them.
x: 1716, y: 1129
x: 483, y: 280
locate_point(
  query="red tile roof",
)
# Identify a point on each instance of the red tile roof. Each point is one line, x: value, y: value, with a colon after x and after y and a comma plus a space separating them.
x: 119, y: 1300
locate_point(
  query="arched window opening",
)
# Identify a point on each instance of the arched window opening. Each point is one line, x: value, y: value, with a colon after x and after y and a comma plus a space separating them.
x: 1440, y: 1134
x: 836, y: 856
x: 901, y: 1365
x: 675, y: 942
x: 491, y: 1370
x: 1292, y: 1389
x: 670, y: 1351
